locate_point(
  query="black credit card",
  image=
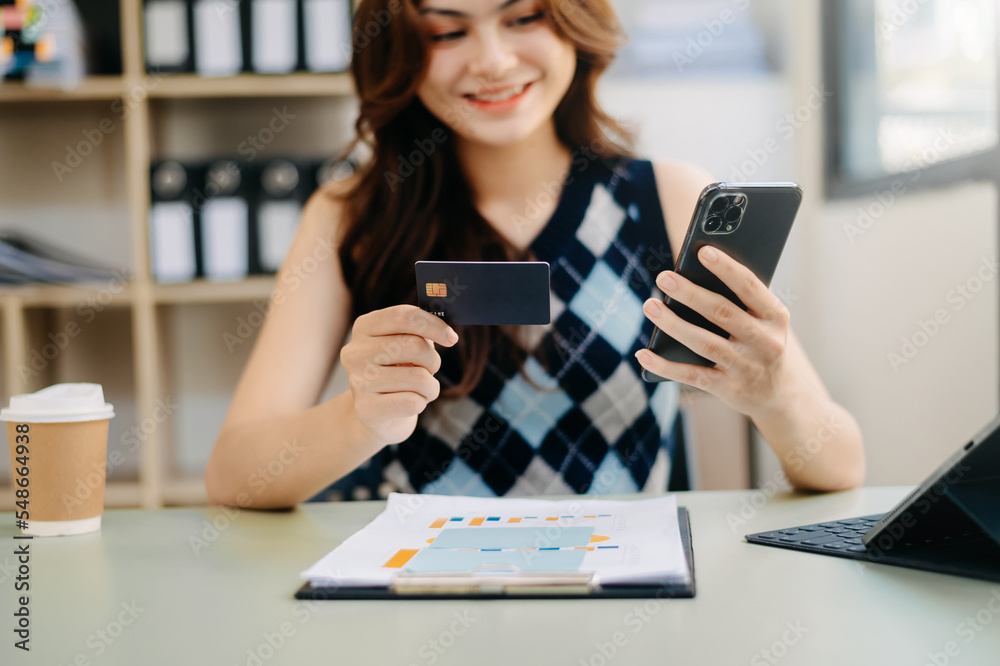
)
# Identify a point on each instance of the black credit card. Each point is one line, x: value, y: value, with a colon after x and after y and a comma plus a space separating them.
x: 485, y: 292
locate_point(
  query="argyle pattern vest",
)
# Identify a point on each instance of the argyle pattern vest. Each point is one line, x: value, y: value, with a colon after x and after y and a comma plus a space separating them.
x: 585, y: 422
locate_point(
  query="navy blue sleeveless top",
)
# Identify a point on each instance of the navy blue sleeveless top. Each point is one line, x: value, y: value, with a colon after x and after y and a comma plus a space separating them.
x: 582, y: 420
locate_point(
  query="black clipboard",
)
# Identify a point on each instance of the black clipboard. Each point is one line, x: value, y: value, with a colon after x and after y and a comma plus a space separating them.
x: 575, y: 587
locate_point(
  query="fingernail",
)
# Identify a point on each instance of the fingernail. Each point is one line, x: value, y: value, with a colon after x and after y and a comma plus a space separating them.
x: 653, y: 307
x: 709, y: 254
x: 667, y: 282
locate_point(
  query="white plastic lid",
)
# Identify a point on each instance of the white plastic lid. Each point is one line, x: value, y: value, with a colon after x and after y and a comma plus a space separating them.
x: 59, y: 403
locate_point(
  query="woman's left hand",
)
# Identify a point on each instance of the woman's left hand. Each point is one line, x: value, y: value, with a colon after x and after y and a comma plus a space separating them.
x: 750, y: 367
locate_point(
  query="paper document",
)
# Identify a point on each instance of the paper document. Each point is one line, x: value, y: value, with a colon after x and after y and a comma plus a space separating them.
x: 622, y: 542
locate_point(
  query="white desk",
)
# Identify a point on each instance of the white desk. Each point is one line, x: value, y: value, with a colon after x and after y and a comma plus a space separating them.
x: 138, y: 593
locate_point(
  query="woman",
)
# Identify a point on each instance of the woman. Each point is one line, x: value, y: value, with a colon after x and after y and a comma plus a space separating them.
x: 487, y: 144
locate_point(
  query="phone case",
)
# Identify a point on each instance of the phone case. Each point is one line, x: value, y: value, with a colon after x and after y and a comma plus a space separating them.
x: 756, y: 241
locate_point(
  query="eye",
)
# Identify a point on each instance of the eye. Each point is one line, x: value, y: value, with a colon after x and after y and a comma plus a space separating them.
x: 525, y: 20
x: 446, y: 37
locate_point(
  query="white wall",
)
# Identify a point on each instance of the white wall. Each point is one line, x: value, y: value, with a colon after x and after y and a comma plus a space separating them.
x: 920, y: 387
x: 716, y: 123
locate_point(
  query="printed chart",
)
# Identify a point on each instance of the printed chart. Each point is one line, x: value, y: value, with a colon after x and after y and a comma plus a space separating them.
x: 527, y: 543
x: 631, y: 541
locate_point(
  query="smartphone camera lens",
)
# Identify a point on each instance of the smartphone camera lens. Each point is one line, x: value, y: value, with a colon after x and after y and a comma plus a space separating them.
x: 713, y: 223
x: 732, y: 214
x: 718, y: 205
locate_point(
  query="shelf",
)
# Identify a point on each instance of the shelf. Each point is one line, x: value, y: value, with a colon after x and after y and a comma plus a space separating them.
x: 116, y: 294
x: 151, y: 121
x: 92, y: 88
x: 113, y: 294
x: 117, y: 494
x: 203, y: 291
x: 188, y: 86
x: 252, y: 85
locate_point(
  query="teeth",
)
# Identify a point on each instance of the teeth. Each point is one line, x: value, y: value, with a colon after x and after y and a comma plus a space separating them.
x: 499, y: 97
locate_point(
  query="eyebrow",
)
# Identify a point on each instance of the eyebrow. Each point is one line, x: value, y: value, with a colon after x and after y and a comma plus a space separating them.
x: 462, y: 15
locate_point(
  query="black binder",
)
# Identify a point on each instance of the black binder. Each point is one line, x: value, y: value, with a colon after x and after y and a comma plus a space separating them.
x: 325, y: 36
x: 280, y: 189
x: 949, y: 524
x: 168, y: 28
x: 520, y: 586
x: 272, y: 38
x: 174, y: 225
x: 332, y: 168
x: 225, y: 221
x: 219, y: 37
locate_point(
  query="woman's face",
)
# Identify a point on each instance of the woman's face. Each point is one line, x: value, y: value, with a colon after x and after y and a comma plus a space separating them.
x: 483, y: 52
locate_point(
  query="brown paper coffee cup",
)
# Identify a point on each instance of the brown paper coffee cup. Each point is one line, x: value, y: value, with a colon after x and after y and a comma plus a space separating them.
x: 58, y: 441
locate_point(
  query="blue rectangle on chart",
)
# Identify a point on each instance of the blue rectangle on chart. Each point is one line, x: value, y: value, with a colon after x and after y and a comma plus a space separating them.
x: 440, y: 559
x: 551, y: 536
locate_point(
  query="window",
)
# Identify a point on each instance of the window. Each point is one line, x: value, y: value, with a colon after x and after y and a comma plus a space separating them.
x: 915, y: 92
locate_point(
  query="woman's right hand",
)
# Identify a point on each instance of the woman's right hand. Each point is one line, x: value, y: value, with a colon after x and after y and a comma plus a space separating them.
x: 390, y: 363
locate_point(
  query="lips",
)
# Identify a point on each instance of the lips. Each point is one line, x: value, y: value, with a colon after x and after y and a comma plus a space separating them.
x: 498, y: 94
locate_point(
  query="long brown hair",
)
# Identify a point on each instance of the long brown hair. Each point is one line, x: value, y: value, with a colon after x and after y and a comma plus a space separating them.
x: 398, y: 211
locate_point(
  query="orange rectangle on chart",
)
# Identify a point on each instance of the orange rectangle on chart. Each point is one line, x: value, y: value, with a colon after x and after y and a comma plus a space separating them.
x: 439, y: 522
x: 552, y: 518
x: 437, y: 289
x: 477, y: 521
x: 400, y: 558
x: 513, y: 520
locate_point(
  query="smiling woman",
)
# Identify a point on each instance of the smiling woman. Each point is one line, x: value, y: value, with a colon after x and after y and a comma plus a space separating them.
x: 457, y: 55
x: 487, y: 144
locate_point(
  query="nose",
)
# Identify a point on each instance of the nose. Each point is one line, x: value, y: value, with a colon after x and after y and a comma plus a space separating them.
x: 494, y: 58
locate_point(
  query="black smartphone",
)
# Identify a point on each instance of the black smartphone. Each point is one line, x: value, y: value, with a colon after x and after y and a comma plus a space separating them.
x: 748, y: 221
